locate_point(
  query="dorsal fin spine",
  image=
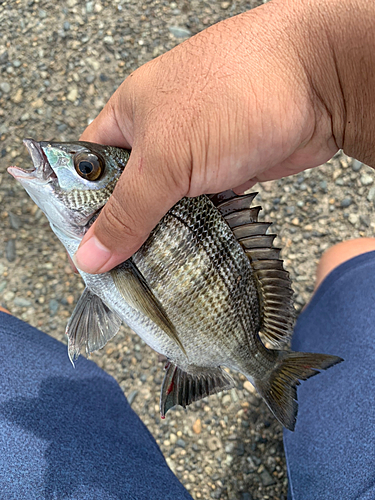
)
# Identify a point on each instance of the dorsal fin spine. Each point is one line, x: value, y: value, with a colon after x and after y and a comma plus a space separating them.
x: 274, y: 284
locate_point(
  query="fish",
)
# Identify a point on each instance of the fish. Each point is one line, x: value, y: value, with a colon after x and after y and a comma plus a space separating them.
x: 207, y: 289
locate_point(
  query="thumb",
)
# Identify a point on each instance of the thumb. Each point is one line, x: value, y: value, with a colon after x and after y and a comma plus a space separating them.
x: 146, y: 190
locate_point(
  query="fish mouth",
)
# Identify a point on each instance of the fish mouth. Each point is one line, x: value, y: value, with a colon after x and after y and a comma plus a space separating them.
x: 42, y: 170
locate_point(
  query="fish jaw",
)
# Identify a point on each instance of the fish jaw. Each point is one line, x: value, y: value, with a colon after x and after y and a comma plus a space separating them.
x: 41, y: 172
x: 40, y: 183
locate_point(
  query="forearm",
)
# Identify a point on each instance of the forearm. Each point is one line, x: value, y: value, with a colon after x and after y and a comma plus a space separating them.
x: 338, y: 53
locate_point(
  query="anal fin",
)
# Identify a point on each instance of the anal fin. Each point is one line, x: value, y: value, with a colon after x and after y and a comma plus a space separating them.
x: 182, y: 388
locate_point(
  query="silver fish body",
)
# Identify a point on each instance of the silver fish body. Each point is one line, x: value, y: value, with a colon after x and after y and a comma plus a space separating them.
x: 199, y: 291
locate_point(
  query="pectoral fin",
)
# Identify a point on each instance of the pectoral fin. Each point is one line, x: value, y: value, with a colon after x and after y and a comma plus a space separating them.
x: 92, y: 325
x: 136, y: 292
x: 182, y: 388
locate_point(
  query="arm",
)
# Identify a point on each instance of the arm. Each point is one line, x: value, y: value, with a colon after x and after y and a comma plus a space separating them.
x: 258, y: 96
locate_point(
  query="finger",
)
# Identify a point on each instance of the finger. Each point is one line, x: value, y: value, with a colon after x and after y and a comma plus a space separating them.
x: 245, y: 186
x: 107, y: 128
x: 141, y: 198
x: 71, y: 264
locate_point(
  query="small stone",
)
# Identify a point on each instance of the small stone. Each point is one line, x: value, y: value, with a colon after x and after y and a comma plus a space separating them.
x: 109, y: 40
x: 4, y: 56
x: 366, y: 179
x: 3, y: 285
x: 173, y: 438
x: 197, y: 427
x: 179, y: 32
x: 346, y: 202
x: 248, y: 386
x: 245, y: 495
x: 226, y: 400
x: 225, y: 5
x: 42, y: 14
x: 365, y: 220
x: 14, y: 220
x: 38, y: 103
x: 53, y: 306
x: 353, y: 219
x: 89, y: 7
x: 17, y: 98
x: 266, y: 478
x: 295, y: 221
x: 356, y: 165
x: 213, y: 443
x: 22, y: 302
x: 9, y: 296
x: 66, y: 26
x: 371, y: 194
x: 93, y: 63
x: 16, y: 63
x: 70, y: 299
x: 72, y: 95
x: 131, y: 396
x: 11, y: 250
x: 90, y: 79
x: 181, y: 443
x: 5, y: 87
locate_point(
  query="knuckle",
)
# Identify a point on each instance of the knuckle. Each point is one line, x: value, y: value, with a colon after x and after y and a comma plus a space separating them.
x: 115, y: 222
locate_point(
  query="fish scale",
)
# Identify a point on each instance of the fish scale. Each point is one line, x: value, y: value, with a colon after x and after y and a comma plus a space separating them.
x: 200, y: 291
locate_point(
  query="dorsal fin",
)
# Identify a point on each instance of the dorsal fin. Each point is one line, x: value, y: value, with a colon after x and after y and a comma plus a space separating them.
x: 274, y: 285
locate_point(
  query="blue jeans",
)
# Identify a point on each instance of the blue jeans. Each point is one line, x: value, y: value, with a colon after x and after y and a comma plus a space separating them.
x: 331, y: 454
x: 70, y: 434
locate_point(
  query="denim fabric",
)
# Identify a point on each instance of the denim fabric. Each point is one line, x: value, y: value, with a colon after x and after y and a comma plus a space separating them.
x: 70, y: 433
x: 331, y: 454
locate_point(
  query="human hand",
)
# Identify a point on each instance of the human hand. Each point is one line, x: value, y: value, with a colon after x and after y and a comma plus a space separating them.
x: 253, y: 98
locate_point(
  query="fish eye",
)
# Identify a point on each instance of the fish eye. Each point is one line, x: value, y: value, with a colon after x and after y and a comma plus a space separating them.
x: 89, y: 166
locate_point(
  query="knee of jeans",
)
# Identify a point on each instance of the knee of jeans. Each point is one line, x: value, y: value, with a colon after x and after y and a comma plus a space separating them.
x: 340, y: 253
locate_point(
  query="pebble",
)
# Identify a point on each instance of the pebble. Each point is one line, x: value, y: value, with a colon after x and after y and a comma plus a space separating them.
x: 366, y: 179
x: 245, y: 495
x: 225, y: 5
x: 17, y: 98
x: 10, y: 250
x: 226, y: 400
x: 179, y: 32
x: 53, y: 306
x: 4, y: 57
x: 266, y: 478
x: 248, y: 386
x: 197, y: 426
x: 5, y: 87
x: 73, y: 94
x: 109, y: 40
x: 3, y: 285
x: 22, y: 302
x: 213, y: 443
x: 353, y: 219
x: 8, y: 296
x: 371, y: 194
x: 14, y: 221
x: 173, y: 438
x: 346, y: 202
x: 356, y: 165
x: 181, y: 443
x: 131, y: 396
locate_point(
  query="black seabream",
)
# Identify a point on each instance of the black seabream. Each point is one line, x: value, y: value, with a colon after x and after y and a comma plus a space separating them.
x: 199, y: 291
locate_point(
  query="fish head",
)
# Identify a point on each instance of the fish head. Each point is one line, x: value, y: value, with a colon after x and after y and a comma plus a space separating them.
x: 71, y: 181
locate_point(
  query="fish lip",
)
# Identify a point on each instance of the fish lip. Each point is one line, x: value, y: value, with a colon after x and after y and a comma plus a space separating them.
x: 41, y: 170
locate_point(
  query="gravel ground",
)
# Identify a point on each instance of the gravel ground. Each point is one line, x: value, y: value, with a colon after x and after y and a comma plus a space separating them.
x: 59, y: 63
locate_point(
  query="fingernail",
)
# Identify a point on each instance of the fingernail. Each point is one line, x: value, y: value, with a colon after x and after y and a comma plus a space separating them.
x: 92, y: 256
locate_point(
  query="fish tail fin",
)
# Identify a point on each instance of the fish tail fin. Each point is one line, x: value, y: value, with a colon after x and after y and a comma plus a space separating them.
x: 280, y: 390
